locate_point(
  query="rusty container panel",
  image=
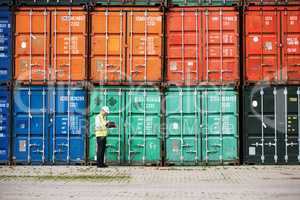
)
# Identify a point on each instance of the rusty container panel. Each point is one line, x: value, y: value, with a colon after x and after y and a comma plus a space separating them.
x: 119, y: 51
x: 271, y: 48
x: 68, y: 45
x: 32, y: 45
x: 195, y: 52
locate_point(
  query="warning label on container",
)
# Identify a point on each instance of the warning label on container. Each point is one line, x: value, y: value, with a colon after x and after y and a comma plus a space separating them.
x: 22, y: 145
x: 173, y: 66
x: 268, y: 20
x: 252, y: 151
x: 268, y: 46
x: 293, y: 20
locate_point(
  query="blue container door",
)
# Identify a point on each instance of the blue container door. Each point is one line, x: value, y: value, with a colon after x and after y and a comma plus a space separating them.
x: 68, y: 124
x: 5, y: 44
x: 4, y: 124
x: 30, y: 125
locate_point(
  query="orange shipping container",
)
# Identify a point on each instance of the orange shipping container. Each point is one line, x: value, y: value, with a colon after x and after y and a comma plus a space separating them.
x: 126, y: 45
x: 65, y: 37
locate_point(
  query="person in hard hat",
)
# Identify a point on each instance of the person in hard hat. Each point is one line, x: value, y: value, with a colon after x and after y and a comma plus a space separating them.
x: 101, y: 134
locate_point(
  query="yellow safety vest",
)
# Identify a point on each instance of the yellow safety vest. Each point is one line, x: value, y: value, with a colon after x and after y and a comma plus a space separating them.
x: 102, y: 130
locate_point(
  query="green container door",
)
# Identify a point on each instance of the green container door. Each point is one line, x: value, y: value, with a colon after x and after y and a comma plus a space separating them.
x: 193, y: 122
x: 183, y: 126
x: 114, y: 99
x: 138, y: 142
x: 143, y: 126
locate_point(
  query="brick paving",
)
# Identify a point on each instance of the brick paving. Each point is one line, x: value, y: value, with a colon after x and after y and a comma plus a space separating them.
x: 139, y: 183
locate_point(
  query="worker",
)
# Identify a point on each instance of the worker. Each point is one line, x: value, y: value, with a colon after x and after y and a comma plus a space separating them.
x: 101, y: 134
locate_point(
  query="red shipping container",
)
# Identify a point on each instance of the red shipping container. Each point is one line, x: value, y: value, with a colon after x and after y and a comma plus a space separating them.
x: 272, y: 44
x: 196, y: 54
x: 119, y: 51
x: 60, y: 31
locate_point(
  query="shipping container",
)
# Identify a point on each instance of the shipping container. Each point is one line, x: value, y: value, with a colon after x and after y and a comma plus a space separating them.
x: 49, y: 125
x: 201, y: 125
x: 52, y: 2
x: 4, y: 124
x: 271, y: 44
x: 50, y: 44
x: 196, y: 54
x: 271, y: 125
x: 203, y: 2
x: 126, y: 45
x: 6, y: 2
x: 128, y: 2
x: 136, y: 112
x: 270, y: 2
x: 5, y: 44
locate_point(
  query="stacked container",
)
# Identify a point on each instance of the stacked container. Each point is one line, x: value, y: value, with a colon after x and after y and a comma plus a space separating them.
x: 50, y: 99
x: 126, y: 73
x: 271, y: 82
x: 202, y: 76
x: 5, y: 79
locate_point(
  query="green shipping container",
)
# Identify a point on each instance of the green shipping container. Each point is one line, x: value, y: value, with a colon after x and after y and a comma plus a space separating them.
x: 201, y: 125
x: 203, y: 2
x: 136, y: 112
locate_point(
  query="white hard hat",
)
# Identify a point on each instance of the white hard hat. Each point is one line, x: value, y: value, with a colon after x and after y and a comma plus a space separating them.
x: 105, y: 109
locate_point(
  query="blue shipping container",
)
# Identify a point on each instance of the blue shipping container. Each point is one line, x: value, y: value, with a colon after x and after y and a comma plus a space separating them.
x: 5, y: 44
x: 4, y: 124
x: 49, y: 125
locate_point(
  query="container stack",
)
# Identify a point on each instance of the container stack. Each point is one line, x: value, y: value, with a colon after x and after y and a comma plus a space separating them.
x: 126, y: 74
x: 5, y: 79
x: 271, y: 91
x: 50, y: 67
x: 202, y: 78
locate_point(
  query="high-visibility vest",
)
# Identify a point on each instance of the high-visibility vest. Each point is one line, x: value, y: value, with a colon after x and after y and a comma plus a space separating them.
x: 100, y: 121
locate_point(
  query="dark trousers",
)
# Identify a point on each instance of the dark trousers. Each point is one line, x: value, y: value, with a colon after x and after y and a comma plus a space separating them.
x: 101, y: 146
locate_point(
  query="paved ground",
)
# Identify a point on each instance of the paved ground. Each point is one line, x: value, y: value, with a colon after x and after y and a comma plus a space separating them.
x: 139, y: 183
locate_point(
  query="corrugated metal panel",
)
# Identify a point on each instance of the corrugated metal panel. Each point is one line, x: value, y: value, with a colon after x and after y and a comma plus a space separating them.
x: 5, y: 44
x: 65, y: 38
x: 51, y: 2
x: 129, y: 2
x: 194, y: 133
x: 138, y: 141
x: 272, y: 47
x: 120, y: 52
x: 195, y: 53
x: 4, y: 124
x: 203, y: 2
x: 49, y: 125
x: 271, y: 125
x: 270, y: 2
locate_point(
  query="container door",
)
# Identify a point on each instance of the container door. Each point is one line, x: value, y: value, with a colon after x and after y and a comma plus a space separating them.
x: 68, y: 45
x: 143, y: 126
x: 5, y: 44
x: 32, y: 46
x: 220, y: 46
x: 108, y: 46
x: 4, y: 124
x: 291, y: 45
x: 183, y: 115
x: 219, y: 126
x: 114, y: 99
x: 184, y: 46
x: 67, y: 125
x: 262, y: 37
x: 144, y: 39
x: 30, y: 125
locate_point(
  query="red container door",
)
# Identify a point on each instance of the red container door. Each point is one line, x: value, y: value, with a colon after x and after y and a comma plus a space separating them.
x: 144, y: 39
x: 108, y: 46
x: 262, y: 37
x: 221, y: 54
x: 202, y: 46
x: 184, y: 46
x: 291, y: 45
x: 68, y: 45
x: 32, y: 45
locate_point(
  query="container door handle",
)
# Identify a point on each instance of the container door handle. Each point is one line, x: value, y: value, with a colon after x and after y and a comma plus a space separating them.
x: 65, y: 65
x: 264, y: 65
x: 296, y: 65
